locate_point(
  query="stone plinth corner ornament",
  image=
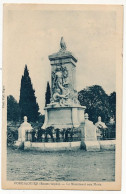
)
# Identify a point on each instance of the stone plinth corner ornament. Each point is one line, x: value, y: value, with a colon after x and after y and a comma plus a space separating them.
x: 25, y: 127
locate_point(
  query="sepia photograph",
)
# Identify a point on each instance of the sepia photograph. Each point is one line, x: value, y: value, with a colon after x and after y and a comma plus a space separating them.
x: 62, y: 96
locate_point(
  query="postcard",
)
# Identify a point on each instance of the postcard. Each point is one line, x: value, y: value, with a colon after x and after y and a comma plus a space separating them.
x: 62, y: 96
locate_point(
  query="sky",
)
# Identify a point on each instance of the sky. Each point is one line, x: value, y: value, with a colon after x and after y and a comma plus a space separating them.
x: 32, y: 35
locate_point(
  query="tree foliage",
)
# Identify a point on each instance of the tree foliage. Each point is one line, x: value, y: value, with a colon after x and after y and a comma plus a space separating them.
x: 112, y: 102
x: 48, y: 94
x: 97, y: 103
x: 13, y: 109
x: 28, y: 105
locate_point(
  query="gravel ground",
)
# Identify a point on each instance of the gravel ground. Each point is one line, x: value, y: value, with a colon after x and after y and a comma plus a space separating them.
x: 60, y: 166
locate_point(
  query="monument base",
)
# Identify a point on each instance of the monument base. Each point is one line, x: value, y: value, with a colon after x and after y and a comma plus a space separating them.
x: 92, y: 146
x: 64, y: 117
x: 19, y: 144
x: 56, y: 146
x: 107, y: 144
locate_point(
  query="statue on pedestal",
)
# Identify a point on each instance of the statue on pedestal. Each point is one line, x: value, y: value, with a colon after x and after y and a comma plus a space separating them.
x: 64, y: 110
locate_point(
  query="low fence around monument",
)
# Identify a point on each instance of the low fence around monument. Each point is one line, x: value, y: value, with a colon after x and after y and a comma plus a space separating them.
x: 53, y: 135
x: 39, y: 135
x: 67, y: 135
x: 108, y: 133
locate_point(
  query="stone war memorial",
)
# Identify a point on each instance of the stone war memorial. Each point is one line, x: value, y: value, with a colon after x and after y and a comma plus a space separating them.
x: 64, y: 111
x: 66, y: 126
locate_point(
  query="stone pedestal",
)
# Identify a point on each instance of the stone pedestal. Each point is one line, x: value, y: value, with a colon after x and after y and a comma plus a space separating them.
x: 64, y: 117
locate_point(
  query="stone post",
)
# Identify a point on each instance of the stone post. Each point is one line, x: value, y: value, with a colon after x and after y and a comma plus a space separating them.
x: 90, y: 140
x: 22, y: 130
x: 100, y: 126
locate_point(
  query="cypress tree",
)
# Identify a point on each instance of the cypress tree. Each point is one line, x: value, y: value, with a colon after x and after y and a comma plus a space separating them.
x: 48, y: 94
x: 28, y: 105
